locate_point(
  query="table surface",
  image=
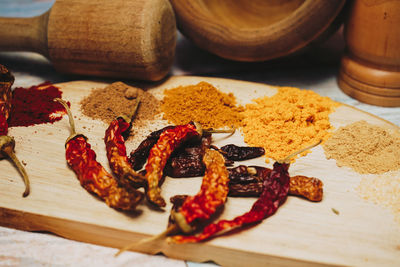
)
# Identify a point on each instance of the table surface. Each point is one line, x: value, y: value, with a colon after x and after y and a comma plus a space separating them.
x: 315, y: 70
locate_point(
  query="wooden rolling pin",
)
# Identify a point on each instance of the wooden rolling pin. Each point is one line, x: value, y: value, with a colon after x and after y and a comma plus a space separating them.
x: 119, y: 39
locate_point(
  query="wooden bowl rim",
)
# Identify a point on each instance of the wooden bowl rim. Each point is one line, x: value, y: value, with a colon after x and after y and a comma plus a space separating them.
x: 284, y: 32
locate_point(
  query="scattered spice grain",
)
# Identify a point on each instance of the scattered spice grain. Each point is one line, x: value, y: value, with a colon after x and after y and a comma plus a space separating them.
x: 287, y: 121
x: 365, y: 148
x: 118, y: 99
x: 383, y: 190
x: 202, y: 103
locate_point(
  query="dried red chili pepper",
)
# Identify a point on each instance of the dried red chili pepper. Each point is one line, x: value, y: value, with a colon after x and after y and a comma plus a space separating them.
x: 213, y: 194
x: 114, y: 140
x: 7, y: 143
x: 159, y: 154
x: 170, y: 139
x: 248, y: 182
x: 276, y: 189
x: 92, y: 175
x: 139, y: 156
x: 200, y: 207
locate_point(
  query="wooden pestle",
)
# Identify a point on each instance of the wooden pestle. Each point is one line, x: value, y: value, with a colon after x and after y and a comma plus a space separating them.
x: 119, y: 39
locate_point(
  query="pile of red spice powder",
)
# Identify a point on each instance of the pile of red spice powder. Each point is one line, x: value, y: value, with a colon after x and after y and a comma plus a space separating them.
x: 35, y: 105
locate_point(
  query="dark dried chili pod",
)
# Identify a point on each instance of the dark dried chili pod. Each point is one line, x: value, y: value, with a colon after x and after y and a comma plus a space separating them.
x: 246, y: 174
x: 275, y: 191
x: 139, y: 156
x: 245, y: 190
x: 247, y: 182
x: 188, y: 161
x: 238, y: 153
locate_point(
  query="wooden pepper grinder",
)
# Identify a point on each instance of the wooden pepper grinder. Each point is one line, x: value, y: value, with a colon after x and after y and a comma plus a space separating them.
x: 370, y: 68
x: 120, y: 39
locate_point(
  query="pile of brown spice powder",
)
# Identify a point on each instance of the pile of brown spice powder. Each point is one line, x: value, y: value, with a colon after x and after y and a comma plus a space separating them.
x: 365, y: 148
x: 118, y: 99
x: 202, y: 103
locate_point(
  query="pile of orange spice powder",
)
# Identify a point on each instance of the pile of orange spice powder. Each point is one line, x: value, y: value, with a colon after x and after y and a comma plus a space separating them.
x: 287, y: 121
x: 202, y: 103
x: 282, y: 124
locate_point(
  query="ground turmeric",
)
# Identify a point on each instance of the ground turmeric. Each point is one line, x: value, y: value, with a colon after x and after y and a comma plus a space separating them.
x: 288, y: 121
x: 202, y: 103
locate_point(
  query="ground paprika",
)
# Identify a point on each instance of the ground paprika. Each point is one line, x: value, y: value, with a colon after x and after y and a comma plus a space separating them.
x: 35, y: 105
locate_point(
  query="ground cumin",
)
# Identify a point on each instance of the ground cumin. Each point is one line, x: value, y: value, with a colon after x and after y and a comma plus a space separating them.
x: 118, y: 99
x: 365, y: 148
x: 288, y: 121
x: 202, y: 103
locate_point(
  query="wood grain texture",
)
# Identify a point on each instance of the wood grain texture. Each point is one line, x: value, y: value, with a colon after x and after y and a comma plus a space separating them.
x: 370, y: 70
x: 120, y: 39
x: 300, y: 233
x: 254, y: 30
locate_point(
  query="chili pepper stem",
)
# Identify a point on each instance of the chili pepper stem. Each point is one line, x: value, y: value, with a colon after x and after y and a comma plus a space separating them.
x: 172, y: 229
x: 134, y: 111
x: 288, y: 158
x: 7, y: 145
x: 71, y: 119
x: 231, y: 131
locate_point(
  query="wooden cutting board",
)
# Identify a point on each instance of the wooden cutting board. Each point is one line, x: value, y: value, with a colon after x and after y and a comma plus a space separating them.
x: 301, y: 232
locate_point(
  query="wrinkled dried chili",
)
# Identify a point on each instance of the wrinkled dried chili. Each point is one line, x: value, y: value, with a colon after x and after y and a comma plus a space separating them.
x: 188, y: 161
x: 248, y: 182
x: 213, y: 194
x: 139, y: 156
x: 92, y: 175
x: 159, y: 154
x: 239, y: 153
x: 114, y: 140
x: 275, y: 191
x: 7, y: 143
x: 200, y: 207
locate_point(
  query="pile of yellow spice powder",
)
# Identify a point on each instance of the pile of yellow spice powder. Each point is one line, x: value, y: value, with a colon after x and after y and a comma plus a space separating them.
x: 202, y: 103
x: 288, y: 121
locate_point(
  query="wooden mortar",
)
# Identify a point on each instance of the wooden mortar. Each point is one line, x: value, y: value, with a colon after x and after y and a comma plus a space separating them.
x: 370, y: 69
x: 254, y: 30
x: 119, y: 39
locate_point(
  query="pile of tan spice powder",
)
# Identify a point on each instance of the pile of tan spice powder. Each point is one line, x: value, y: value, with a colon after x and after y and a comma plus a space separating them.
x: 202, y: 103
x: 287, y: 122
x: 118, y: 99
x: 365, y: 148
x: 370, y: 149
